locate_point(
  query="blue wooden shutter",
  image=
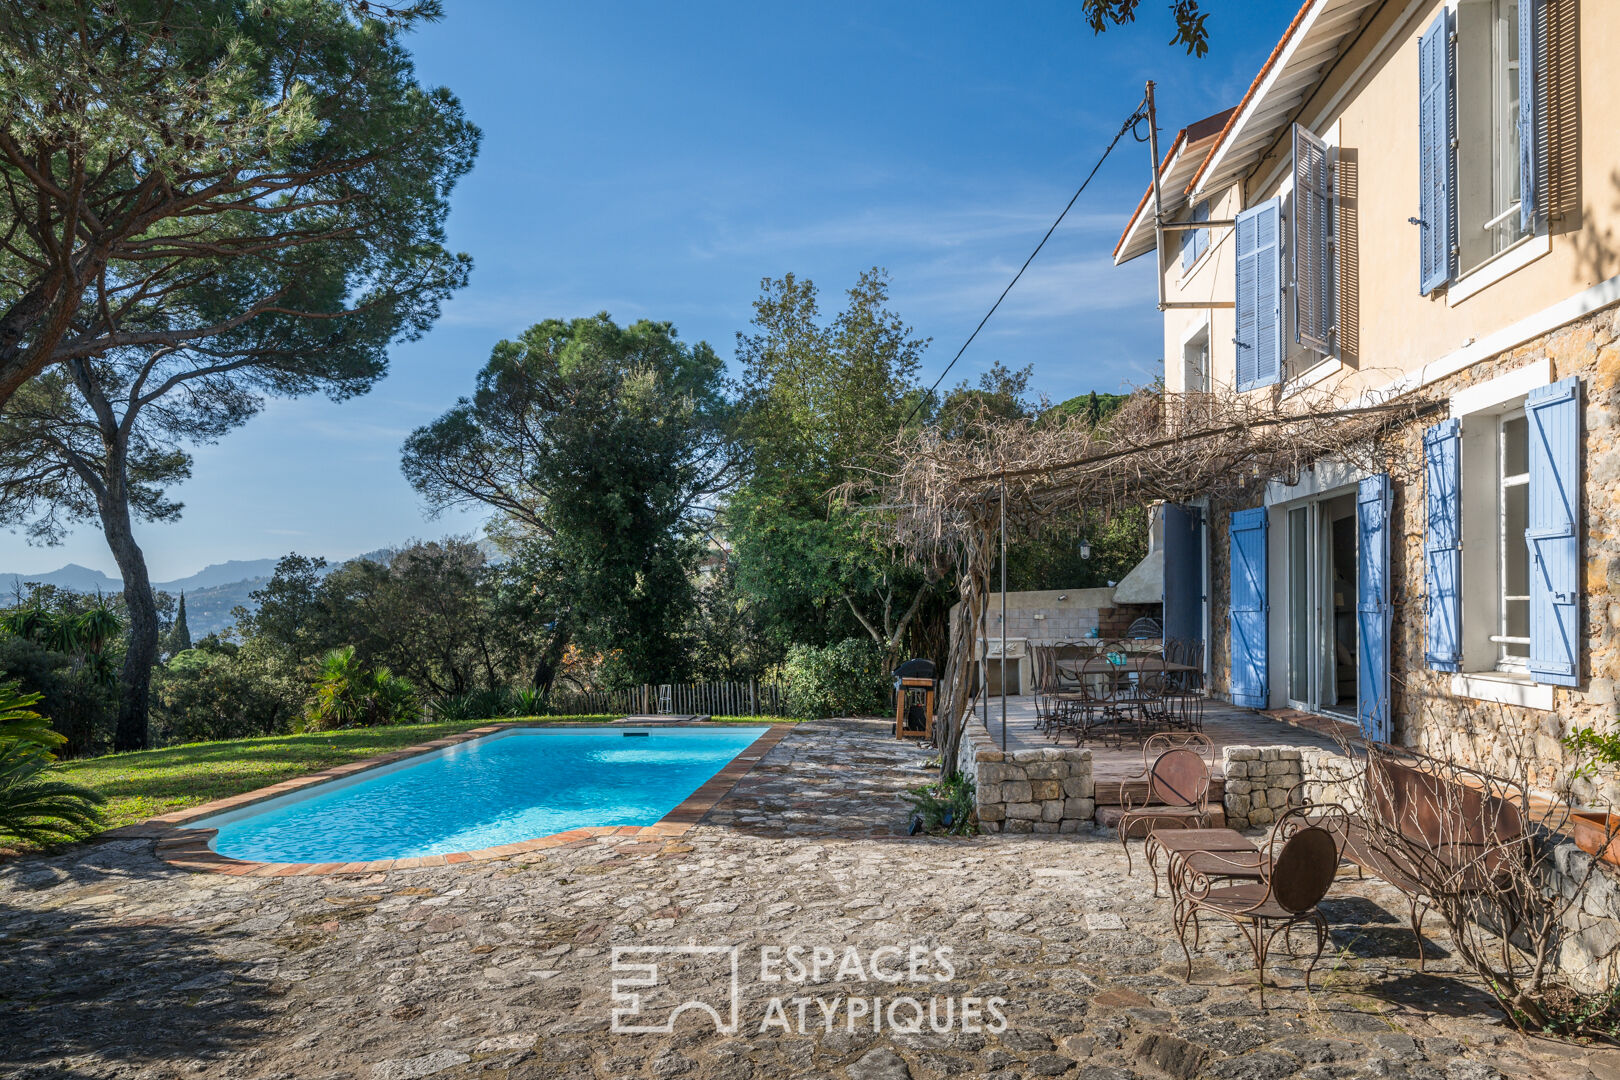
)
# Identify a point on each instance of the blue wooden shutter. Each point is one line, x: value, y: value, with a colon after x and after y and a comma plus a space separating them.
x: 1246, y: 611
x: 1194, y: 242
x: 1437, y: 195
x: 1553, y: 533
x: 1373, y: 607
x: 1183, y: 572
x: 1259, y: 295
x: 1530, y: 39
x: 1442, y: 546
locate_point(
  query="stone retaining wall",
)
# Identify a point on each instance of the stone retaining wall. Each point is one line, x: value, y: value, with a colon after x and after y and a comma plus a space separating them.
x: 1048, y: 790
x: 1258, y: 780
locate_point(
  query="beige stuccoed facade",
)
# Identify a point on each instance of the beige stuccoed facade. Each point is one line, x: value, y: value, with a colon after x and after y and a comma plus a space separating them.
x: 1518, y: 310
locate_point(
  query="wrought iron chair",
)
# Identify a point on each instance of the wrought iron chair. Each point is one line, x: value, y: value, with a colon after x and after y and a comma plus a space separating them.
x: 1299, y: 865
x: 1177, y: 769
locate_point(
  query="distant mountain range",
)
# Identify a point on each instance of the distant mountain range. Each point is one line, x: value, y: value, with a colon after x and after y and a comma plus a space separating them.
x: 211, y: 593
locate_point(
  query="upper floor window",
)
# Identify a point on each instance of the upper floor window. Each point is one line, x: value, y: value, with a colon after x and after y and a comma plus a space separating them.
x: 1479, y: 134
x: 1489, y: 190
x: 1194, y: 242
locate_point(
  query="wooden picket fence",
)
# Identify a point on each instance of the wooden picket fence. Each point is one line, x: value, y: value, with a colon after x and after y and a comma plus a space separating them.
x: 751, y: 698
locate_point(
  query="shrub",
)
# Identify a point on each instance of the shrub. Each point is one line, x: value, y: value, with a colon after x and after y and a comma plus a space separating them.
x: 220, y: 692
x: 82, y: 707
x: 947, y: 806
x: 474, y: 705
x: 845, y: 679
x: 19, y: 721
x: 36, y: 809
x: 345, y: 695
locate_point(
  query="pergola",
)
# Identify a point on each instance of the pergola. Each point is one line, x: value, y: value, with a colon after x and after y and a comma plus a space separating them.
x: 950, y: 502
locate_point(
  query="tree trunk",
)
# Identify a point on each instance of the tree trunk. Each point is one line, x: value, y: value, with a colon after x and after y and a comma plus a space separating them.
x: 545, y: 669
x: 135, y: 682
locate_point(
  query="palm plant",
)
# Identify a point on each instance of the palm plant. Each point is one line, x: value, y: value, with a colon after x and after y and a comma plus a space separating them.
x: 19, y: 721
x: 36, y: 809
x: 334, y: 702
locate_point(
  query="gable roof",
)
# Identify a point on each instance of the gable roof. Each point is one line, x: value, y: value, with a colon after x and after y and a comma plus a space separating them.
x: 1196, y: 165
x: 1187, y: 151
x: 1310, y: 46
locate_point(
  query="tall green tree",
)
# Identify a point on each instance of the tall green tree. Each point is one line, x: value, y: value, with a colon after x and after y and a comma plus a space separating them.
x: 177, y: 174
x: 603, y: 448
x: 212, y: 203
x: 824, y: 399
x: 179, y: 636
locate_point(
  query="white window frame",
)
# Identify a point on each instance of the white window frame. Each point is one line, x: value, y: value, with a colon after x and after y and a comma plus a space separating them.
x: 1472, y: 277
x: 1188, y: 272
x: 1477, y: 406
x: 1188, y: 339
x: 1512, y: 653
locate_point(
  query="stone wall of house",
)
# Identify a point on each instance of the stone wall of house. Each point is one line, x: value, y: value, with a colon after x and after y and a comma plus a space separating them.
x: 1258, y: 782
x: 1493, y: 736
x: 1045, y: 790
x: 1427, y: 715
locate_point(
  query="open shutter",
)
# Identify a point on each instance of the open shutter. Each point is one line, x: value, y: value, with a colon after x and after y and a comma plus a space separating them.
x: 1259, y: 295
x: 1246, y: 611
x: 1442, y: 546
x: 1183, y: 573
x: 1373, y: 607
x: 1552, y: 531
x: 1437, y: 160
x: 1530, y: 56
x: 1315, y: 301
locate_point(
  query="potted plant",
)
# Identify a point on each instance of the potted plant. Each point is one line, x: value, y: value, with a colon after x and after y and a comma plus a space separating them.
x: 1597, y: 832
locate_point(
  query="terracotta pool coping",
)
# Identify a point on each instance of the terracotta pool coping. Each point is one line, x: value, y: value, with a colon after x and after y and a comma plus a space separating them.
x: 187, y: 849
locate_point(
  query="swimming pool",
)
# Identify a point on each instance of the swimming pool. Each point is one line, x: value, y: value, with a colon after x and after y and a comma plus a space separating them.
x: 514, y: 785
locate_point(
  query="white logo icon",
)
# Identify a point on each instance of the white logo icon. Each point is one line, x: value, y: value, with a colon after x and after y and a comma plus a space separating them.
x: 693, y: 970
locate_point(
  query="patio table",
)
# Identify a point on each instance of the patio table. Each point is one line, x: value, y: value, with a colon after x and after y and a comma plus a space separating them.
x: 1174, y: 842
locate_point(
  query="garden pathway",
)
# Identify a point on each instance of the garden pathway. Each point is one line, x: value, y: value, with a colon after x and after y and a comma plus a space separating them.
x: 113, y: 964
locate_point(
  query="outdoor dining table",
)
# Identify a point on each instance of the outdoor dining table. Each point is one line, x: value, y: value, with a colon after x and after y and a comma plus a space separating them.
x: 1136, y: 663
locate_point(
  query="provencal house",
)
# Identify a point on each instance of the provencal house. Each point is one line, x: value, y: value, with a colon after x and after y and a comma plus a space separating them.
x: 1413, y: 196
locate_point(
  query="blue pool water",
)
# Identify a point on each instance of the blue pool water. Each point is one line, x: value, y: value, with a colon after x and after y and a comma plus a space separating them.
x: 497, y: 790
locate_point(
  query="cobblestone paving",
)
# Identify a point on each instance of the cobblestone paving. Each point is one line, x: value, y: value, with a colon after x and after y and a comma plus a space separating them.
x: 114, y: 965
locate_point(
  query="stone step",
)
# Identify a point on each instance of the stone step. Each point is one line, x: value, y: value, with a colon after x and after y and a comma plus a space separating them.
x: 1107, y: 817
x: 1108, y: 791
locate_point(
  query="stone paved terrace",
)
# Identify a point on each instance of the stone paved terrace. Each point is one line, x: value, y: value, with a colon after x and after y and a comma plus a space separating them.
x: 112, y: 964
x: 1226, y: 725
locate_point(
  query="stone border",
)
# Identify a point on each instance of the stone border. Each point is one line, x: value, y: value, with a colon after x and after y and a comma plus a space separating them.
x: 1041, y: 790
x: 187, y: 849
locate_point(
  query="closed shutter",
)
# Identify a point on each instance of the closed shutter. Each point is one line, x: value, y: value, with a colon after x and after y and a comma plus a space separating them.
x: 1194, y: 242
x: 1259, y: 295
x: 1552, y: 531
x: 1183, y: 573
x: 1246, y: 611
x: 1437, y: 161
x: 1373, y: 607
x: 1531, y: 26
x: 1442, y: 546
x: 1315, y: 300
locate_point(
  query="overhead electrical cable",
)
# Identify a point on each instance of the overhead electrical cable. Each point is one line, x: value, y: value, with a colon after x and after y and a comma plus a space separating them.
x: 1130, y: 122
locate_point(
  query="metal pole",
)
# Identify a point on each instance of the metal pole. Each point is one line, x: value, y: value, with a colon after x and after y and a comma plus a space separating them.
x: 1158, y: 202
x: 1004, y: 611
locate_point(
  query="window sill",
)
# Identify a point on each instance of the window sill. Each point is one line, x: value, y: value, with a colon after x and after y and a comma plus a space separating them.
x: 1497, y: 267
x: 1504, y: 688
x: 1325, y: 367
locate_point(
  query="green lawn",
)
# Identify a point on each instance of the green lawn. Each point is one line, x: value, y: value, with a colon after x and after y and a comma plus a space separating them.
x: 151, y: 782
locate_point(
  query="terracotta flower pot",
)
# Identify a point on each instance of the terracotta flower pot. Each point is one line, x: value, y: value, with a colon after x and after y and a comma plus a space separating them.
x: 1592, y: 830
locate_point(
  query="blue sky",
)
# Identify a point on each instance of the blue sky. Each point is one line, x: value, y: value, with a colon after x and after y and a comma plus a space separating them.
x: 657, y: 160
